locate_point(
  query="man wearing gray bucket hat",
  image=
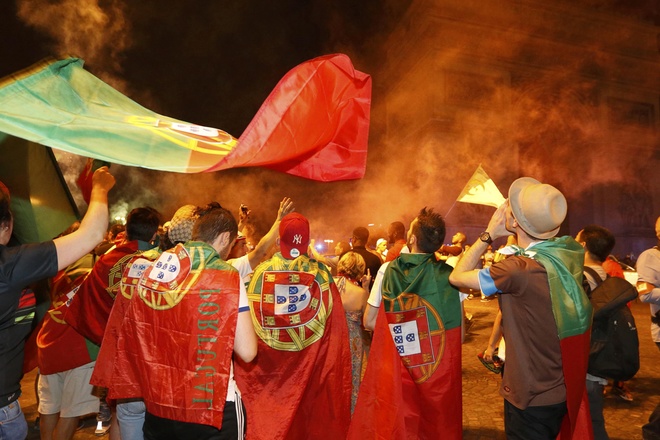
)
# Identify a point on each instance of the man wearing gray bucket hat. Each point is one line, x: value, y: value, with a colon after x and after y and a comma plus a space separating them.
x: 546, y: 316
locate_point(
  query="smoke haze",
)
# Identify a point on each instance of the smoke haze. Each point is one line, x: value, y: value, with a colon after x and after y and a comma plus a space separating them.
x: 516, y: 98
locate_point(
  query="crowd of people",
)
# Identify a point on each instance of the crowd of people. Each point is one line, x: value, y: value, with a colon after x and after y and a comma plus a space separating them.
x: 185, y: 330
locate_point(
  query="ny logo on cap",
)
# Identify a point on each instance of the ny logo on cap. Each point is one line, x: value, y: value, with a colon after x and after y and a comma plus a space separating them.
x: 297, y: 239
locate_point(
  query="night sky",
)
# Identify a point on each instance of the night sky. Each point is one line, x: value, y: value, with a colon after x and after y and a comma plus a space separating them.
x: 209, y: 63
x: 214, y: 63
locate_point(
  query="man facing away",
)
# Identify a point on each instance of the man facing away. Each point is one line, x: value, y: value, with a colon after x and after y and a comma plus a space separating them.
x: 396, y: 234
x: 359, y: 240
x: 546, y: 316
x: 299, y: 387
x: 186, y: 319
x: 412, y: 386
x: 598, y: 242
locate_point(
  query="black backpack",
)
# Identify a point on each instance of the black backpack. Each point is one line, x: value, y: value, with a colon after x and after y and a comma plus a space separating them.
x: 614, y: 350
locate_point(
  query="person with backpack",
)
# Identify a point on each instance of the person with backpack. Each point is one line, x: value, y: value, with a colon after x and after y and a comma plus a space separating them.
x: 614, y: 352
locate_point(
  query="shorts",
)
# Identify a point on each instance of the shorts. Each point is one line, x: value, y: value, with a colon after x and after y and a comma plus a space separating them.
x: 68, y: 393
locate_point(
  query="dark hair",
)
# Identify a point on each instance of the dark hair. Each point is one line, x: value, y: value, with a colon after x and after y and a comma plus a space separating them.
x: 212, y: 221
x: 429, y: 230
x: 396, y: 231
x: 116, y: 229
x: 598, y: 241
x: 142, y: 224
x: 361, y: 234
x: 5, y: 211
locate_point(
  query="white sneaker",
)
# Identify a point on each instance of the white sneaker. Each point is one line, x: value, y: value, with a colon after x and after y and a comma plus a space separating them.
x: 102, y: 428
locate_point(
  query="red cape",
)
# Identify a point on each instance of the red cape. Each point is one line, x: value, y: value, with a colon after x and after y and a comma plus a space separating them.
x: 392, y: 406
x: 89, y: 309
x: 299, y: 394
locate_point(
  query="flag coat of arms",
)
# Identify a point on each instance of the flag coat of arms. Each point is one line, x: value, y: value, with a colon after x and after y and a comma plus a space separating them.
x: 412, y: 385
x: 299, y: 386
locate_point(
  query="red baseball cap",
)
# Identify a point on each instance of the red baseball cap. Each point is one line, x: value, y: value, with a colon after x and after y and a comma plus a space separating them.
x: 294, y: 236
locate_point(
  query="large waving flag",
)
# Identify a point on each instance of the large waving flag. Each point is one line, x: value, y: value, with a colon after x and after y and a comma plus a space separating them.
x: 481, y: 190
x: 314, y: 124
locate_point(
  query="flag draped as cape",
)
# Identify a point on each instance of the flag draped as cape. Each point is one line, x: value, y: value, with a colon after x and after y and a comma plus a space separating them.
x: 314, y: 124
x: 60, y: 347
x: 88, y: 310
x: 563, y: 259
x: 299, y: 386
x: 412, y: 386
x: 175, y: 344
x: 104, y: 368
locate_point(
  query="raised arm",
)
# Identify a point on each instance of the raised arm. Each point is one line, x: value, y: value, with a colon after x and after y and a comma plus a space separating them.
x: 92, y: 227
x: 261, y: 249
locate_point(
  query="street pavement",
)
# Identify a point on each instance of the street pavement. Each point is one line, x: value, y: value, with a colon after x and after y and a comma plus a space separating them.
x: 482, y: 404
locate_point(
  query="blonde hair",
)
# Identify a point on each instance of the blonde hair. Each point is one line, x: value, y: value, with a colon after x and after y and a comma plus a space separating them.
x: 351, y: 264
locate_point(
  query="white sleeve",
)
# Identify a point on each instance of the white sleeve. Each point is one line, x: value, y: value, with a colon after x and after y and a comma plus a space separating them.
x: 243, y: 305
x: 648, y: 269
x: 242, y: 265
x: 376, y: 294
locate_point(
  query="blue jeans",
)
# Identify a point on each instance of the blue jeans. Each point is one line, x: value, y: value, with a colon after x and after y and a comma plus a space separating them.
x: 130, y: 414
x: 12, y: 422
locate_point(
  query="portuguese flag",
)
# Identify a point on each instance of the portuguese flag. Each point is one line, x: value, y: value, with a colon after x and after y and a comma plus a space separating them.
x: 88, y: 310
x: 104, y: 368
x: 412, y: 386
x: 314, y: 124
x: 175, y: 344
x: 563, y: 260
x: 299, y: 386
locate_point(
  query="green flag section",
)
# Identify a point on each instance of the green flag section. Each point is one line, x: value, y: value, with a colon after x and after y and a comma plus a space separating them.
x: 40, y: 200
x: 563, y: 259
x: 314, y: 124
x: 424, y: 277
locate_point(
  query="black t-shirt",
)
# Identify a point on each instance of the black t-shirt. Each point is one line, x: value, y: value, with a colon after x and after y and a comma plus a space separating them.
x: 19, y: 267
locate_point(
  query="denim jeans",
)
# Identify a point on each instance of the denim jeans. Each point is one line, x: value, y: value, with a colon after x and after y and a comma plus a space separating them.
x: 12, y: 422
x: 130, y: 414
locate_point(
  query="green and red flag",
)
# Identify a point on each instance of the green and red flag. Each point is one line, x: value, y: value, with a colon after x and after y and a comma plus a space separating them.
x: 563, y: 260
x: 412, y: 385
x: 299, y: 386
x: 174, y: 347
x: 135, y: 268
x: 314, y: 124
x: 60, y: 347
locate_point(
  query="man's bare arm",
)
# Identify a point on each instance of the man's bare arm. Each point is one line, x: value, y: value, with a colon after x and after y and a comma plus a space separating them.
x: 92, y: 227
x: 261, y: 249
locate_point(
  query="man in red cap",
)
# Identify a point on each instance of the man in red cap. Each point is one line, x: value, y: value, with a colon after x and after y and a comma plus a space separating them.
x: 299, y: 387
x: 546, y: 316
